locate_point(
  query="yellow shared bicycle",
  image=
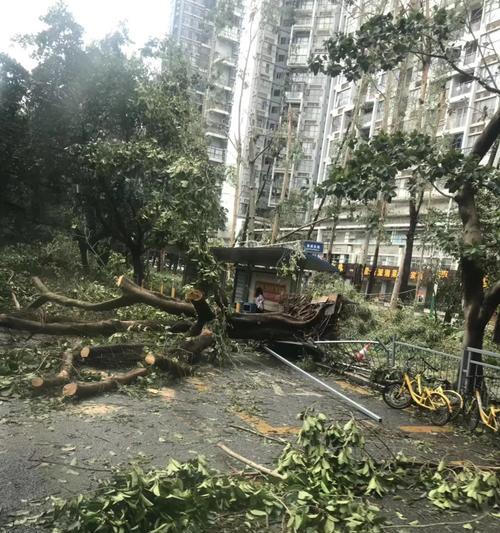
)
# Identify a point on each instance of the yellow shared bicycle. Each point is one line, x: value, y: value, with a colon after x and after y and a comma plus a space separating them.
x: 411, y: 390
x: 475, y: 413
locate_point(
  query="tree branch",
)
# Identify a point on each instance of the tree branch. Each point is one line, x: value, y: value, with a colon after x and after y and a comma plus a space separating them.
x: 310, y: 223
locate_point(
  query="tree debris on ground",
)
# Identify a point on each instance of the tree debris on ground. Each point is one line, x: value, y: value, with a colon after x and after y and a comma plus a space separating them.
x: 209, y: 330
x: 326, y: 481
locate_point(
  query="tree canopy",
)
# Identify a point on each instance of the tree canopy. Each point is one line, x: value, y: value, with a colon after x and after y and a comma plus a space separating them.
x: 104, y: 143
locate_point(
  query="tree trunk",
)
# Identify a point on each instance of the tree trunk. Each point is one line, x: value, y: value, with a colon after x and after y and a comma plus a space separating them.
x: 496, y: 329
x: 380, y: 227
x: 78, y: 329
x: 329, y: 255
x: 286, y: 178
x: 371, y: 278
x: 137, y: 265
x: 84, y: 249
x: 410, y: 242
x: 358, y: 281
x: 401, y: 283
x: 252, y: 199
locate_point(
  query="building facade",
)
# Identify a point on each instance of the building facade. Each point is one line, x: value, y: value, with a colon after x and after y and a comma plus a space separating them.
x: 271, y: 86
x: 459, y: 110
x: 325, y: 110
x: 210, y: 40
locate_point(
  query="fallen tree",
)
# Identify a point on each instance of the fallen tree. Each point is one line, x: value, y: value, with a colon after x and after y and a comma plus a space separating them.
x: 320, y: 319
x: 313, y: 321
x: 133, y: 294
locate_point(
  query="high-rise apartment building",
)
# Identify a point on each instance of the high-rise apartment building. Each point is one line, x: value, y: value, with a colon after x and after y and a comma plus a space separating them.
x: 324, y: 110
x: 273, y: 84
x: 456, y: 109
x: 210, y: 40
x: 279, y: 87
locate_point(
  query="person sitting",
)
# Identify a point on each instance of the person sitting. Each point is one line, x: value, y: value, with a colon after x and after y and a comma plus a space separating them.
x: 259, y: 299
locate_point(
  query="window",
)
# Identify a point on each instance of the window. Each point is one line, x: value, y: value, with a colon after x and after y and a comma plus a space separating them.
x: 276, y: 92
x: 279, y: 75
x: 483, y: 110
x: 336, y: 123
x: 308, y: 147
x: 343, y: 98
x: 310, y: 130
x: 470, y: 52
x: 457, y: 117
x: 456, y: 141
x: 461, y: 85
x: 281, y: 58
x: 476, y: 15
x: 299, y: 49
x: 283, y: 40
x: 326, y: 23
x: 275, y: 109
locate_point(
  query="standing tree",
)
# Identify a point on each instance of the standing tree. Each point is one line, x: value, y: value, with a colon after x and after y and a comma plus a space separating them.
x: 149, y: 183
x: 383, y: 43
x: 14, y: 184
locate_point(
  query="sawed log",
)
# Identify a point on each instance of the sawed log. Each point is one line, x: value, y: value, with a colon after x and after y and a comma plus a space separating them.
x: 40, y: 383
x: 112, y: 354
x: 79, y: 389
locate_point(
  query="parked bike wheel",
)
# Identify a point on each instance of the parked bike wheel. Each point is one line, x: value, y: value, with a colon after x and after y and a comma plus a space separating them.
x: 396, y: 395
x: 471, y: 415
x: 456, y: 402
x: 441, y: 413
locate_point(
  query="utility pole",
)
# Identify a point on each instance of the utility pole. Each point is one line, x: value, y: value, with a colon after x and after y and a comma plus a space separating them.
x: 286, y: 176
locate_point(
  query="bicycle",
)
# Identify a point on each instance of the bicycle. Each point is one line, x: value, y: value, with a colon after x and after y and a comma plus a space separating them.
x: 408, y: 390
x: 455, y: 398
x: 475, y: 412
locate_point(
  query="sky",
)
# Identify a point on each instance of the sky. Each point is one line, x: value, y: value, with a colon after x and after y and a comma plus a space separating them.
x: 144, y: 19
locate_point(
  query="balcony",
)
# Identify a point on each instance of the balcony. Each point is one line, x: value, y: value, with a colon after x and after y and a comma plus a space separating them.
x: 294, y: 96
x: 231, y: 34
x: 220, y: 108
x: 299, y: 60
x: 217, y: 129
x: 217, y: 155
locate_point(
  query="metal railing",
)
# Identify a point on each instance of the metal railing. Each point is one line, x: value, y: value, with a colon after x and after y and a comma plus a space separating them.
x: 373, y: 359
x: 418, y: 359
x: 479, y: 374
x: 357, y: 356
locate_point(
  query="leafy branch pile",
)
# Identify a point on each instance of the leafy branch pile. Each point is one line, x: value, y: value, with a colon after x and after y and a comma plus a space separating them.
x: 329, y: 484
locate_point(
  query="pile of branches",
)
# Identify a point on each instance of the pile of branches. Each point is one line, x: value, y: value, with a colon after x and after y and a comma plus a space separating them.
x: 326, y: 481
x: 196, y: 324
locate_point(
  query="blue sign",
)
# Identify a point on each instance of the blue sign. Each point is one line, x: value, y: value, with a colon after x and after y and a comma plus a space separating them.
x: 313, y: 247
